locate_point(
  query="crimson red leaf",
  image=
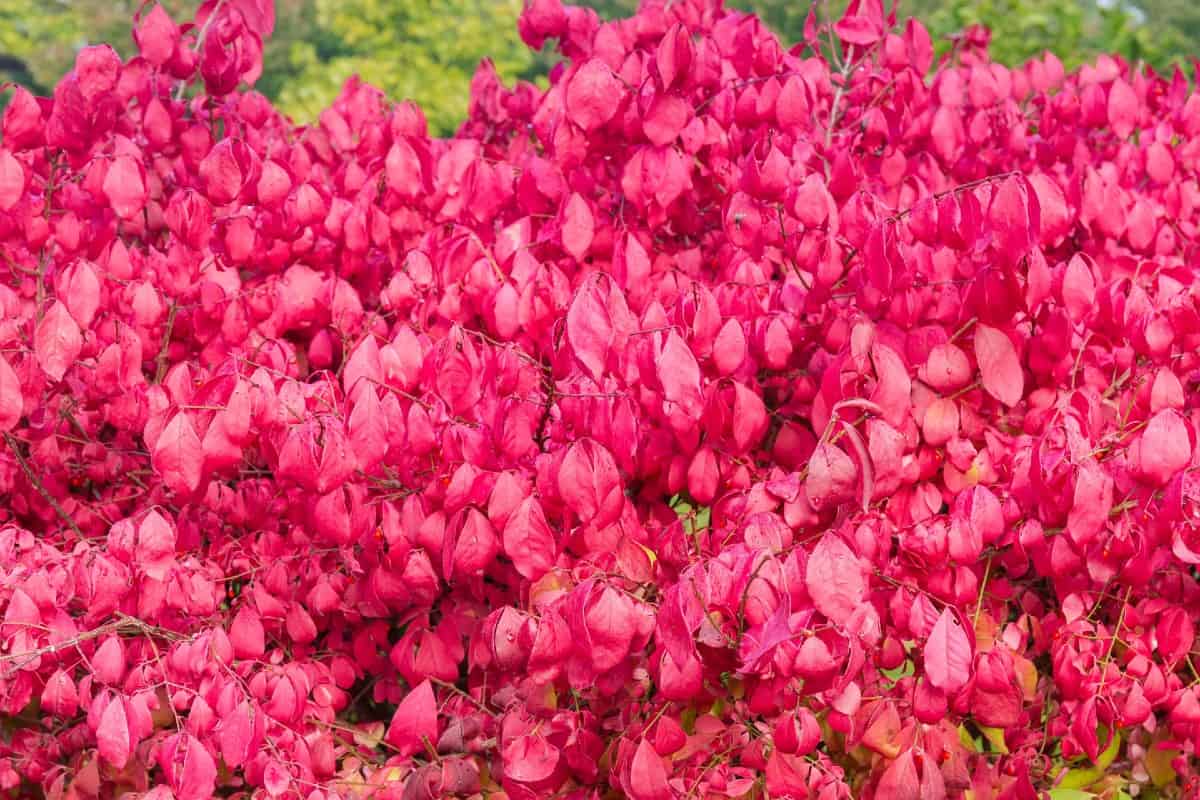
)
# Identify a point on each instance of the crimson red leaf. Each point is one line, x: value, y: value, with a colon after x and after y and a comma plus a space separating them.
x: 414, y: 725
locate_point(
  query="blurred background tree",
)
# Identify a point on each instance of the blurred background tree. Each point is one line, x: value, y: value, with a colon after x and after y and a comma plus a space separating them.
x: 424, y: 50
x: 1158, y: 32
x: 427, y: 50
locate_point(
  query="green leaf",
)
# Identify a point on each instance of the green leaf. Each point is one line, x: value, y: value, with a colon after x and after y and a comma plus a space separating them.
x: 995, y: 738
x: 1070, y: 794
x: 1079, y: 778
x: 1105, y: 759
x: 902, y: 671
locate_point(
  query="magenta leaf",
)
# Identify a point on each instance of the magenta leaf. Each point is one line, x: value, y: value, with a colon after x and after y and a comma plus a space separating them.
x: 835, y: 579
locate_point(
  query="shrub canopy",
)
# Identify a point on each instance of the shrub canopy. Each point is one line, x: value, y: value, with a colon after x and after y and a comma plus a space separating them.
x: 723, y: 420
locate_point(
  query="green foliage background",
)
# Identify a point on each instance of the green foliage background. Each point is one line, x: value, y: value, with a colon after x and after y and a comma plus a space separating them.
x: 427, y: 50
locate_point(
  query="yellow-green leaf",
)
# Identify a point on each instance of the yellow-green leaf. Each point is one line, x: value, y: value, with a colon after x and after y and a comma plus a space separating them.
x: 1070, y: 794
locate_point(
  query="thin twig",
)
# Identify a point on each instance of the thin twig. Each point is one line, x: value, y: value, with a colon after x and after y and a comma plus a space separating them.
x: 1112, y: 642
x: 201, y: 35
x: 466, y: 695
x: 161, y: 371
x: 14, y: 445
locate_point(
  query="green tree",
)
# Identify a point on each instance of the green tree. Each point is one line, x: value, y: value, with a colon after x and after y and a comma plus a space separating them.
x: 44, y: 35
x: 427, y: 50
x: 1174, y: 25
x: 1155, y: 31
x: 422, y: 50
x: 1021, y: 29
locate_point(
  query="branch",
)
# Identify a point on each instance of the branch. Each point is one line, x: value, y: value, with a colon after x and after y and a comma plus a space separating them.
x: 14, y: 445
x: 161, y: 360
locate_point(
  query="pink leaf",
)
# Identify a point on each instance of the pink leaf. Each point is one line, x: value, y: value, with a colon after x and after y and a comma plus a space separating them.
x: 12, y: 180
x: 235, y: 735
x: 835, y: 580
x: 590, y: 326
x: 729, y: 348
x: 1175, y: 634
x: 999, y: 365
x: 125, y: 187
x: 112, y: 736
x: 648, y: 774
x: 608, y: 625
x: 276, y: 779
x: 528, y: 540
x: 57, y: 341
x: 12, y: 401
x: 1093, y: 498
x: 589, y: 483
x: 80, y: 289
x: 474, y: 548
x: 97, y: 68
x: 155, y: 546
x: 156, y: 36
x: 178, y: 455
x: 948, y: 654
x: 246, y: 634
x: 593, y: 95
x: 1164, y: 448
x: 364, y: 365
x: 947, y: 369
x: 188, y: 766
x: 579, y: 227
x: 666, y: 117
x: 367, y: 429
x: 679, y: 375
x: 831, y: 476
x: 1078, y: 288
x: 899, y: 781
x: 529, y: 758
x: 1122, y: 108
x: 858, y: 30
x: 108, y: 664
x: 60, y: 697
